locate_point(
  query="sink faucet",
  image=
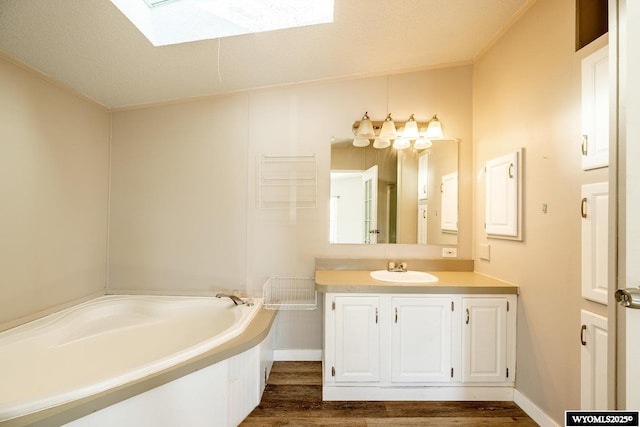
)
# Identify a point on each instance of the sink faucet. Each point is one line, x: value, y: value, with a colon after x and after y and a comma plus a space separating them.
x: 236, y: 300
x: 399, y: 267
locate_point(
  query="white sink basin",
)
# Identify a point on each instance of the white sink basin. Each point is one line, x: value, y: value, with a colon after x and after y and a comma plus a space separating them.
x: 403, y: 276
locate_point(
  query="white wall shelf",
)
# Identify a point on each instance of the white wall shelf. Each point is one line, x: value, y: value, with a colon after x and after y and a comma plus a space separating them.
x: 290, y: 293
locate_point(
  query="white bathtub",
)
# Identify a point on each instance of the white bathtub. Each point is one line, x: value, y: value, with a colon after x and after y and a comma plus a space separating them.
x: 109, y: 342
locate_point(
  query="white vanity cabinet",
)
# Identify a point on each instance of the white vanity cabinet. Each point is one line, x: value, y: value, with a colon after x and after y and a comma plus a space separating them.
x: 419, y: 346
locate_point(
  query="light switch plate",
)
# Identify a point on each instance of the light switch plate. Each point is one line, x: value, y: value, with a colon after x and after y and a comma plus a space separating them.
x: 484, y: 252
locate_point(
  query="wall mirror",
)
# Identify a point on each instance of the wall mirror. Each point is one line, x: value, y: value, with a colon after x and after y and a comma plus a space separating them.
x: 394, y: 196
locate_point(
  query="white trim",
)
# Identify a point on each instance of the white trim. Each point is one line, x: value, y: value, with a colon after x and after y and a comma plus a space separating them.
x: 297, y: 355
x: 537, y: 414
x: 504, y: 394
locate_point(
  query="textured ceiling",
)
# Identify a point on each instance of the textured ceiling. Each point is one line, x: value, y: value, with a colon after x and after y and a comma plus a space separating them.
x: 91, y: 47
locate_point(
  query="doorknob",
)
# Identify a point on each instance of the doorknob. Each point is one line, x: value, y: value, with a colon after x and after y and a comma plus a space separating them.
x: 629, y: 297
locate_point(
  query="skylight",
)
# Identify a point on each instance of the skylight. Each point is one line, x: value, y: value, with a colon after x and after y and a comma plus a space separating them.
x: 166, y: 22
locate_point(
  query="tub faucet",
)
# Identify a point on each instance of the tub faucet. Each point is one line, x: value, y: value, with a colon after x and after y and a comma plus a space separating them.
x: 236, y: 300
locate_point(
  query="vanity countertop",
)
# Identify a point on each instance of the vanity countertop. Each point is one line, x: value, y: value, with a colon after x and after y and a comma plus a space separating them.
x: 450, y: 282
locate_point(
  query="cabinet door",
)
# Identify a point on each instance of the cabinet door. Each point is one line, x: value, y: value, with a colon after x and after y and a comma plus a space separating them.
x: 484, y: 340
x: 421, y: 339
x: 422, y: 224
x: 593, y: 362
x: 357, y: 339
x: 502, y: 198
x: 595, y: 241
x: 595, y: 109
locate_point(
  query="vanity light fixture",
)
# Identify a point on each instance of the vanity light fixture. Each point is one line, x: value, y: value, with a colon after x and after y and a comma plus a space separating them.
x: 365, y: 128
x: 381, y: 143
x: 401, y: 143
x: 434, y: 129
x: 360, y: 142
x: 422, y: 143
x: 411, y: 131
x: 388, y: 130
x: 402, y: 134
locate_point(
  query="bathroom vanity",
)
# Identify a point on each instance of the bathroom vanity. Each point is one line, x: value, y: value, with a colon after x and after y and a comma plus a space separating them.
x: 454, y: 339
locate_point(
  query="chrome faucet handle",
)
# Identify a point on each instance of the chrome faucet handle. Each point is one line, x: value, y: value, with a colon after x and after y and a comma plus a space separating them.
x: 391, y: 266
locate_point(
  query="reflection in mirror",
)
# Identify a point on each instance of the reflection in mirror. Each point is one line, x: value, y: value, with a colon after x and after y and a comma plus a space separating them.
x: 394, y: 196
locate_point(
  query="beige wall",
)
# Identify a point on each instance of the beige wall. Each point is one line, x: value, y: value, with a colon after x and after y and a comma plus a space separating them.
x: 527, y: 94
x: 53, y: 188
x: 184, y: 214
x: 179, y: 197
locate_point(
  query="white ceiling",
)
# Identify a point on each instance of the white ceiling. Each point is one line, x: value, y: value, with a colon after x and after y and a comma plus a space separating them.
x: 90, y: 46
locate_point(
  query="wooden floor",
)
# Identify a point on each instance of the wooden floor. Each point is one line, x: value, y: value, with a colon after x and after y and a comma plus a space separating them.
x: 293, y: 397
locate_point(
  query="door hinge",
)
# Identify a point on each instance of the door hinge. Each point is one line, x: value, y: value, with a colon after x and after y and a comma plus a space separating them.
x: 451, y: 305
x: 507, y: 372
x: 451, y: 372
x: 333, y: 371
x: 333, y: 305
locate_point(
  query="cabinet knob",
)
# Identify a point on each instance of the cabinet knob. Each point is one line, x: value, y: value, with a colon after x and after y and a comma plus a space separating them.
x: 584, y: 147
x: 582, y: 331
x: 467, y: 319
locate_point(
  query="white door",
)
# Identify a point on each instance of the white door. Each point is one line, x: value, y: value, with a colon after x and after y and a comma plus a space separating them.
x: 423, y: 175
x: 484, y: 340
x: 357, y: 339
x: 449, y: 209
x: 370, y: 185
x: 628, y: 37
x: 421, y: 339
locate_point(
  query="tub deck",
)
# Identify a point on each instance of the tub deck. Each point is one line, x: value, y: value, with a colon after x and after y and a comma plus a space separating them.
x: 97, y: 329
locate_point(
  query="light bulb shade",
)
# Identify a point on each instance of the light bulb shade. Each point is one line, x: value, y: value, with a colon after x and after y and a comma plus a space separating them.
x: 410, y: 131
x: 434, y: 130
x: 421, y: 144
x: 365, y: 129
x: 388, y: 130
x: 360, y: 142
x: 381, y: 143
x: 401, y: 144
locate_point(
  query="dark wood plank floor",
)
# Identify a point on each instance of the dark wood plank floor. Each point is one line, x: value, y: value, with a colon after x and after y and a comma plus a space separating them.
x: 293, y: 397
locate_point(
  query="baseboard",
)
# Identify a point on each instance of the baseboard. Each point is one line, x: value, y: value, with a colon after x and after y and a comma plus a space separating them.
x: 504, y: 394
x: 292, y: 355
x: 536, y: 414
